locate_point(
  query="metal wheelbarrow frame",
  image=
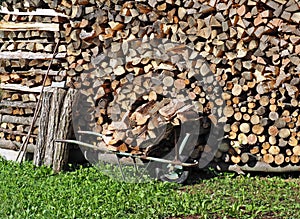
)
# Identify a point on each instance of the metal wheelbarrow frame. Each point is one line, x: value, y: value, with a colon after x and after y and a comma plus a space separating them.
x: 182, y: 169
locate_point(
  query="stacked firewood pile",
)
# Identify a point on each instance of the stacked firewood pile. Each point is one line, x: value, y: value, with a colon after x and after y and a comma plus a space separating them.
x: 27, y: 45
x: 250, y: 47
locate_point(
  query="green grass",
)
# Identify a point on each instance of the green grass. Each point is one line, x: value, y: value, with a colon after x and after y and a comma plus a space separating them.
x: 29, y: 192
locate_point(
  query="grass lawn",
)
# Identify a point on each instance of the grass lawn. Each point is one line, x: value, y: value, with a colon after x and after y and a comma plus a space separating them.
x: 29, y: 192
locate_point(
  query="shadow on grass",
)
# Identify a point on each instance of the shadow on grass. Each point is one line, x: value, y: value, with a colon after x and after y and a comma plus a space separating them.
x: 198, y: 175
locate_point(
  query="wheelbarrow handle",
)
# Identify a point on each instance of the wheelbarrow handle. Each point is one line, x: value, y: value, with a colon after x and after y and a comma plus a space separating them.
x: 128, y: 154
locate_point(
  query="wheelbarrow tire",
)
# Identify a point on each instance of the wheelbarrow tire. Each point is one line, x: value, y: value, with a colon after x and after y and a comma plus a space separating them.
x: 159, y: 171
x: 181, y: 179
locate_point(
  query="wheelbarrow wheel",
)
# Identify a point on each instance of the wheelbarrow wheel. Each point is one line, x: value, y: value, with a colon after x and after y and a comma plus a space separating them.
x: 172, y: 173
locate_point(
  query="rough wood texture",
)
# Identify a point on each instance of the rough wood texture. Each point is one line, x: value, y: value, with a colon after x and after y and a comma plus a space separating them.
x: 61, y: 150
x: 252, y: 49
x: 37, y: 12
x: 39, y: 153
x: 12, y: 26
x: 29, y: 55
x: 13, y: 145
x: 53, y: 125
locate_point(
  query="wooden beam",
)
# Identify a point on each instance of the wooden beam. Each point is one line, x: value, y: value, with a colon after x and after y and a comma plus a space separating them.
x: 18, y: 104
x: 38, y: 11
x: 13, y: 145
x: 17, y: 120
x: 43, y: 41
x: 24, y: 26
x: 29, y: 55
x: 39, y: 72
x: 19, y: 87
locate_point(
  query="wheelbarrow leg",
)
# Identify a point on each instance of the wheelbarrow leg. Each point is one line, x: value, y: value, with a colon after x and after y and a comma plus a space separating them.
x: 144, y: 170
x: 135, y: 166
x: 121, y: 169
x: 175, y: 173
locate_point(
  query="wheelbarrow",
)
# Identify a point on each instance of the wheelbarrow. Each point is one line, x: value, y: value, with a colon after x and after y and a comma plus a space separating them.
x: 176, y: 169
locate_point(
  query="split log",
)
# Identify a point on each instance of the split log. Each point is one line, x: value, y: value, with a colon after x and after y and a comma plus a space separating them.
x: 53, y: 125
x: 61, y: 153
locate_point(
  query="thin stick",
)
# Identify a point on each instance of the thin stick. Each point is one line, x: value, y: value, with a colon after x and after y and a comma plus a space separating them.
x: 37, y: 109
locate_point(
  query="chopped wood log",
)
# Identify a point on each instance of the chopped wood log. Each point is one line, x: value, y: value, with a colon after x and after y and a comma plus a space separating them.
x: 279, y: 159
x: 274, y: 150
x: 61, y: 153
x: 52, y: 125
x: 268, y: 158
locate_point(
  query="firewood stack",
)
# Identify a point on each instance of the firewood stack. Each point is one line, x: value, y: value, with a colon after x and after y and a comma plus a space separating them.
x: 251, y: 47
x: 27, y: 44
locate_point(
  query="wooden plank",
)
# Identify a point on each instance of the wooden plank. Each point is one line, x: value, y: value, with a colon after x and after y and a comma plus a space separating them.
x: 43, y: 41
x: 61, y: 153
x: 18, y: 87
x: 38, y: 89
x: 24, y: 26
x: 40, y: 72
x: 39, y: 153
x: 17, y: 120
x: 29, y: 55
x: 19, y: 104
x: 38, y: 11
x: 53, y: 125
